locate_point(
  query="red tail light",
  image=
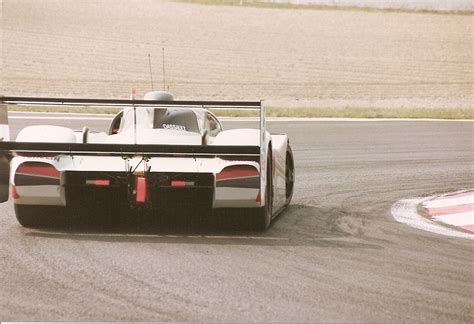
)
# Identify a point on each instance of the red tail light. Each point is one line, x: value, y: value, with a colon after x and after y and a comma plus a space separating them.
x: 177, y: 183
x: 141, y: 190
x: 99, y: 182
x: 181, y: 184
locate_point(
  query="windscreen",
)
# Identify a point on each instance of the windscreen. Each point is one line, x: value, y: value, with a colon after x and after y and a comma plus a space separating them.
x: 176, y: 119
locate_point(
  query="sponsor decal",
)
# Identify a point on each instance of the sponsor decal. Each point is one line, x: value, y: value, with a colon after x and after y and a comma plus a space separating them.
x: 174, y: 127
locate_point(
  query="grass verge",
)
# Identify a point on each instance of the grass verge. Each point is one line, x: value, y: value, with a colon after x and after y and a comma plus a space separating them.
x: 260, y: 4
x: 316, y: 112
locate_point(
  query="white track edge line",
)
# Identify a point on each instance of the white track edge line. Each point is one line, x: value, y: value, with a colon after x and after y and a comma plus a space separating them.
x: 241, y: 119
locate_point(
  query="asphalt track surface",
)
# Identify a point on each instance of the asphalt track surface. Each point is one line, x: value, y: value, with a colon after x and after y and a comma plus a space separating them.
x: 336, y: 254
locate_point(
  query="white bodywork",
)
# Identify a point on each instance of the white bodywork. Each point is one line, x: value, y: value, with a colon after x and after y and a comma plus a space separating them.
x: 136, y: 126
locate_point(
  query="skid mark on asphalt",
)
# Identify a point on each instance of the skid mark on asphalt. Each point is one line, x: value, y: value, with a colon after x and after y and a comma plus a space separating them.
x: 299, y: 225
x: 317, y: 242
x: 205, y: 239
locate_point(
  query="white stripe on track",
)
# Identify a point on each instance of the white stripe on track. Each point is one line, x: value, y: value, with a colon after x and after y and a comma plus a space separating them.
x: 404, y: 211
x: 60, y: 118
x: 446, y: 201
x: 253, y: 119
x: 460, y: 219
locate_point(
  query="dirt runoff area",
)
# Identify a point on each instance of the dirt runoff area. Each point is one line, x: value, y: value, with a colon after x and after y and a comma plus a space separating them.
x: 313, y: 58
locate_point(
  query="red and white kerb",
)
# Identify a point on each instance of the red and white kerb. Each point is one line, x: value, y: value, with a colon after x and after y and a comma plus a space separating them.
x: 453, y: 209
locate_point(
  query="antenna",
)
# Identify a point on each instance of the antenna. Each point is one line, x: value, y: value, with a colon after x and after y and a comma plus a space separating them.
x: 151, y: 74
x: 164, y: 82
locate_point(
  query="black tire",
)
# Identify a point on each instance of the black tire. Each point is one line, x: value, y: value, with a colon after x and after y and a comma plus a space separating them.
x: 289, y: 175
x: 36, y: 216
x: 263, y: 216
x: 4, y: 178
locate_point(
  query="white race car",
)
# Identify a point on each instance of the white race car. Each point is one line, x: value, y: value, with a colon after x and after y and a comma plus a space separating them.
x: 159, y: 154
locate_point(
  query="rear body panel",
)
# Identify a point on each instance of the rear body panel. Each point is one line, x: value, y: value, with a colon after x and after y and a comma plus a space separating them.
x: 171, y: 182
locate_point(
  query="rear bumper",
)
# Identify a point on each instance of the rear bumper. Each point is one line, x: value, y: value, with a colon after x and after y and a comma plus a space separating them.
x: 164, y: 190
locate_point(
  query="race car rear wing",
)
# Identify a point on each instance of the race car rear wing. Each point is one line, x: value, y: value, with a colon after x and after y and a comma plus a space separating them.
x: 149, y: 150
x: 123, y: 103
x: 11, y: 148
x: 67, y: 148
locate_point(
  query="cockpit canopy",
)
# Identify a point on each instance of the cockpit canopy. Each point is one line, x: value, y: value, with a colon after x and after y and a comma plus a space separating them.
x: 195, y: 120
x: 177, y: 119
x: 164, y: 118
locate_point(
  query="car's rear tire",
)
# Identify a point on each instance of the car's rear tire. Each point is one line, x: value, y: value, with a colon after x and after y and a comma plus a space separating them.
x: 263, y: 215
x: 36, y: 216
x: 289, y: 175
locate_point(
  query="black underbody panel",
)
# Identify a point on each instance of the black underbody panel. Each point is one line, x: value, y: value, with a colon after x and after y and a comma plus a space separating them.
x: 196, y: 193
